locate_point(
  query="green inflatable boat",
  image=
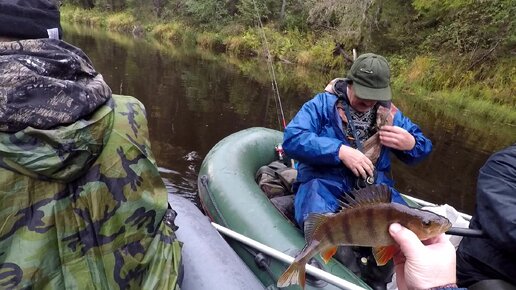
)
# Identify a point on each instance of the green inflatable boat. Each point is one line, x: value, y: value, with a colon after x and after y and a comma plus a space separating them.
x: 232, y: 199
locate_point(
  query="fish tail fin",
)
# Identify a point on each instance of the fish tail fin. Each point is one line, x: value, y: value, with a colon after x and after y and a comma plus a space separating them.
x: 295, y: 274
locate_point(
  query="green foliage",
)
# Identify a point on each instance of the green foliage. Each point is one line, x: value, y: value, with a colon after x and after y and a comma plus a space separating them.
x: 121, y: 21
x: 439, y: 6
x: 93, y: 17
x: 467, y: 26
x: 248, y: 14
x: 485, y: 93
x: 247, y: 44
x: 206, y: 12
x: 209, y: 40
x: 172, y: 32
x: 110, y: 5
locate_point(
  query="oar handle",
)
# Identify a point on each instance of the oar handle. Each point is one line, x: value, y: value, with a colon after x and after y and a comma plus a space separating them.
x: 465, y: 232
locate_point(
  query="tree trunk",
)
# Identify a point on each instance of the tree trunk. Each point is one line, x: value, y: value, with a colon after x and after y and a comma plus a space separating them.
x: 282, y: 12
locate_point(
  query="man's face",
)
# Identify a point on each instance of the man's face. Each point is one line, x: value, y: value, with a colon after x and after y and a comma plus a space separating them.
x: 357, y: 103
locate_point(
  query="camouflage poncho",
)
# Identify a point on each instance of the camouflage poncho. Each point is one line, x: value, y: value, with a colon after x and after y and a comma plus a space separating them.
x: 83, y: 205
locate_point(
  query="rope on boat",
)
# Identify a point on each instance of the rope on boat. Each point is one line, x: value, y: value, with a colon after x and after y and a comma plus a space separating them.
x: 270, y: 68
x: 316, y: 272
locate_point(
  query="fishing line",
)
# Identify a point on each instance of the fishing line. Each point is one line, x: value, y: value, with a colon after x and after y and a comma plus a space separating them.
x: 270, y: 68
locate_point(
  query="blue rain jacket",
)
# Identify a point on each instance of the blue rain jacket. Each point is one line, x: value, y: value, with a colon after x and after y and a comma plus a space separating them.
x: 314, y: 137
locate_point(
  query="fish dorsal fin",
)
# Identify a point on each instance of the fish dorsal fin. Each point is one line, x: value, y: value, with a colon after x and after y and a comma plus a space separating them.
x: 312, y: 223
x: 373, y: 194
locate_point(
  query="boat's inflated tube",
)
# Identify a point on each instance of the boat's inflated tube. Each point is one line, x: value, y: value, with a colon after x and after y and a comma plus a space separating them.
x: 231, y: 197
x: 209, y: 262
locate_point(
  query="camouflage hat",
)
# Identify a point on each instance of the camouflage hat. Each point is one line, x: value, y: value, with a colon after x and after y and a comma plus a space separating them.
x: 29, y: 19
x: 371, y: 77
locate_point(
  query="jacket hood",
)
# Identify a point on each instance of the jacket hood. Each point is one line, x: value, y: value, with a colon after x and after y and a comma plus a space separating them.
x: 56, y: 111
x: 60, y: 154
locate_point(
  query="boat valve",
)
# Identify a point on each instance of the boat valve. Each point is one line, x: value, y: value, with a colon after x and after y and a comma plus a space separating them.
x: 262, y: 261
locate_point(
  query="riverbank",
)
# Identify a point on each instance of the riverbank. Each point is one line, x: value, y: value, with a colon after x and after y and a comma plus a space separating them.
x: 451, y: 85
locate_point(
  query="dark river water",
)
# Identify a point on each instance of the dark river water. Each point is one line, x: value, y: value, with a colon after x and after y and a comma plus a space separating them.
x: 195, y: 98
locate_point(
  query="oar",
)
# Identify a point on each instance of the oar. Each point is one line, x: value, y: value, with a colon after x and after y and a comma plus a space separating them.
x: 316, y: 272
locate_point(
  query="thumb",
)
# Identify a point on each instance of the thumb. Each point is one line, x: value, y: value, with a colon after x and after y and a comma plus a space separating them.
x: 406, y: 239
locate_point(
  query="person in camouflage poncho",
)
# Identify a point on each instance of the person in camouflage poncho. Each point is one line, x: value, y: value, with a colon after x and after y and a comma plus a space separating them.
x: 82, y: 203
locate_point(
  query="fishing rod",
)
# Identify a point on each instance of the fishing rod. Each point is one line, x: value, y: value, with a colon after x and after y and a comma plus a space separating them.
x: 466, y: 232
x: 426, y: 203
x: 314, y: 271
x: 270, y: 68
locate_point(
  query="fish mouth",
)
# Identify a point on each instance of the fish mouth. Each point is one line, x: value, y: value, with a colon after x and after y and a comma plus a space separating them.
x: 446, y: 226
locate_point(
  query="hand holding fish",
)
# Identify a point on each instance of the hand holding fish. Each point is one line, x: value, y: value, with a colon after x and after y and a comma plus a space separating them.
x: 420, y: 266
x: 356, y: 161
x: 396, y: 137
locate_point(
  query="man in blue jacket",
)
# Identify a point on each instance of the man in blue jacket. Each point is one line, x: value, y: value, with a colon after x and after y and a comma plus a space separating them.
x: 336, y: 140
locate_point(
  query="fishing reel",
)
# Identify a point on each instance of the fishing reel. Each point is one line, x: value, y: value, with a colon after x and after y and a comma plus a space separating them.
x: 362, y: 183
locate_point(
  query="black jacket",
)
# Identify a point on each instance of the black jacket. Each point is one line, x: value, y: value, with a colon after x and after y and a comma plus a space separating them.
x: 495, y: 214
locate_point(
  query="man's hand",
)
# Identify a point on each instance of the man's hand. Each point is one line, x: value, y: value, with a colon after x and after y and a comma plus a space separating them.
x: 420, y: 266
x: 397, y: 138
x: 356, y: 161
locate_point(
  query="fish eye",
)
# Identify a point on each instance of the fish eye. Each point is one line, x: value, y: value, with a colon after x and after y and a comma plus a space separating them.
x: 426, y: 223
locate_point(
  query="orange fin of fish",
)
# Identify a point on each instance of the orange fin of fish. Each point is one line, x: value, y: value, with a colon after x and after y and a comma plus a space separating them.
x: 295, y: 274
x: 382, y: 255
x: 328, y: 253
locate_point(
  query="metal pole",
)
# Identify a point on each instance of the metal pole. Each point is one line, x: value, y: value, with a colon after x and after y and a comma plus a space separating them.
x: 316, y: 272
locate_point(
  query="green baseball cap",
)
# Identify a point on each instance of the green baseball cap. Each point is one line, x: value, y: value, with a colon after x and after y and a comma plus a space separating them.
x: 371, y: 77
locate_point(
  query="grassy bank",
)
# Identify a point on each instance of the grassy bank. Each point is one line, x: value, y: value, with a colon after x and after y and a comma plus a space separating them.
x: 458, y: 86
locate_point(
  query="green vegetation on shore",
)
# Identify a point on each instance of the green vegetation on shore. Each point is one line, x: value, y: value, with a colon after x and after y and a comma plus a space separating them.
x: 460, y: 60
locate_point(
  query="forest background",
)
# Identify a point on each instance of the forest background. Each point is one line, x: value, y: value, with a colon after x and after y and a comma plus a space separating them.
x: 457, y: 54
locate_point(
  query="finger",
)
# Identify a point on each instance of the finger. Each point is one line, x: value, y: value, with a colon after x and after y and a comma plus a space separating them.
x: 369, y: 168
x: 389, y: 139
x: 406, y: 239
x: 389, y: 142
x: 435, y: 240
x: 368, y: 162
x: 362, y: 172
x: 355, y: 171
x: 399, y: 259
x: 388, y: 134
x: 387, y: 128
x: 393, y: 129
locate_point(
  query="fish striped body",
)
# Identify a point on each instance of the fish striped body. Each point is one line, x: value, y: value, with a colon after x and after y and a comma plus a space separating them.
x: 363, y: 221
x: 368, y: 225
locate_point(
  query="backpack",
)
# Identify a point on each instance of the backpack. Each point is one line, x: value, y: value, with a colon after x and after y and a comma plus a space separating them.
x: 276, y: 179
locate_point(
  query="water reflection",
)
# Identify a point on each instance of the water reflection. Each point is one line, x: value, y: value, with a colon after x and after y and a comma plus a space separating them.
x: 196, y: 98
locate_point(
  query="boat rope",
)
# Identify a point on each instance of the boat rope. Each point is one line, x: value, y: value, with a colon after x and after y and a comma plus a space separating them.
x: 270, y: 68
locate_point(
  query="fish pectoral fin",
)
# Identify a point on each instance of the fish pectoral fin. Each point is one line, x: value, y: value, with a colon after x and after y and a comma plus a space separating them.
x: 328, y: 253
x: 382, y: 255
